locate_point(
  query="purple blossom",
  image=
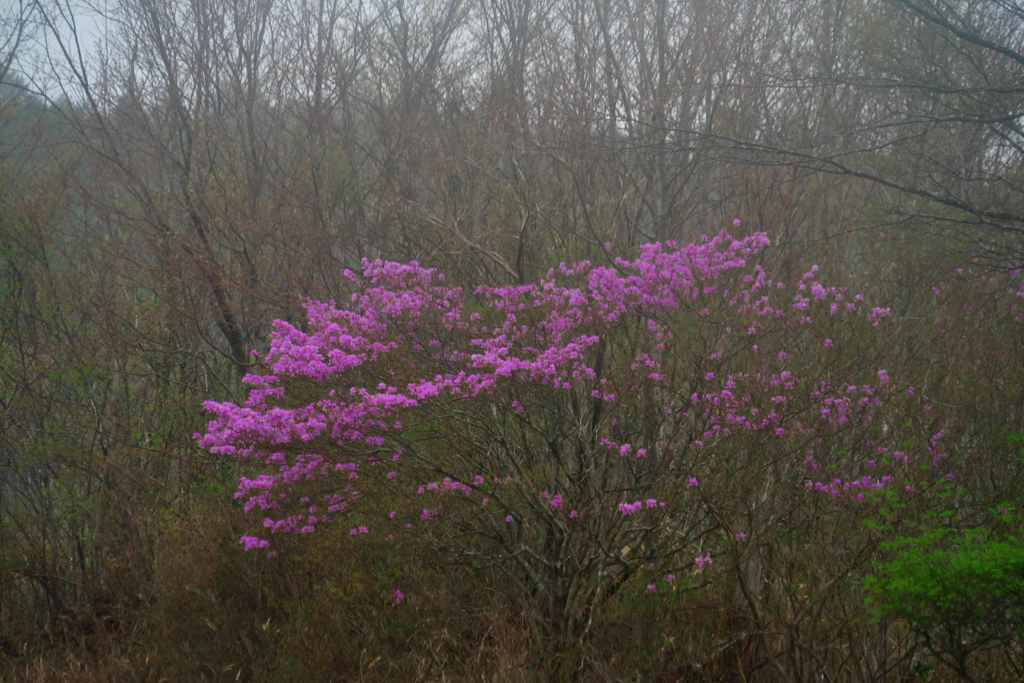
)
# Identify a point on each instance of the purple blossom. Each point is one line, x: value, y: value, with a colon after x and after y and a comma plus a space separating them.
x: 701, y: 562
x: 401, y: 348
x: 250, y: 543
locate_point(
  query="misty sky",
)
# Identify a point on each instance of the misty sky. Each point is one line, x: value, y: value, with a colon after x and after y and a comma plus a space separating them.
x: 87, y: 17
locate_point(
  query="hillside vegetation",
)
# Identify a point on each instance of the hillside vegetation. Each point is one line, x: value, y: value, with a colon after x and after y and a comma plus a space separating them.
x: 512, y: 340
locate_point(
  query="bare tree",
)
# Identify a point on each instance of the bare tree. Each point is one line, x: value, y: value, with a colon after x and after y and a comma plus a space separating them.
x: 16, y: 20
x: 924, y: 100
x: 184, y: 125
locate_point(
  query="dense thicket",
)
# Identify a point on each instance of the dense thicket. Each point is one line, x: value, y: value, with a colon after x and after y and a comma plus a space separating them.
x: 177, y: 179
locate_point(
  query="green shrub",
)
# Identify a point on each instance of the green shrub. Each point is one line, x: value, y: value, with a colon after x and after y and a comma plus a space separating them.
x: 959, y: 595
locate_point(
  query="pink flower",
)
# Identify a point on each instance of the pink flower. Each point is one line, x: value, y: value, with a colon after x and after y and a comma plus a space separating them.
x: 701, y: 562
x: 652, y: 588
x: 741, y: 536
x: 737, y: 222
x: 877, y: 314
x: 253, y: 543
x: 397, y: 597
x: 627, y: 509
x: 692, y: 482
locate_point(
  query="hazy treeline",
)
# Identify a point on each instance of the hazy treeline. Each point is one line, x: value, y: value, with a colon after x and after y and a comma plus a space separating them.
x: 172, y: 183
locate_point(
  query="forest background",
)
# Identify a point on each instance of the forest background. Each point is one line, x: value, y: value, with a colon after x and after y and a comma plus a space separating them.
x: 175, y: 175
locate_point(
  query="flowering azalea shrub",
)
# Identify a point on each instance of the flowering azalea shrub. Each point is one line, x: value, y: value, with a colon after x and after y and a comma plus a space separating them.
x: 636, y: 425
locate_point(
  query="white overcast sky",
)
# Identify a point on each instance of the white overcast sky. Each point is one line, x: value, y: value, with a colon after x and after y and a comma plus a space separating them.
x: 87, y: 16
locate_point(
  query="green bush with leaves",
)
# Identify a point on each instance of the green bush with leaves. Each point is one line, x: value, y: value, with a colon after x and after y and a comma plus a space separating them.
x: 960, y: 593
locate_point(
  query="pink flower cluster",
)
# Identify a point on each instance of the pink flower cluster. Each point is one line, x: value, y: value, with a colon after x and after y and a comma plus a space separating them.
x: 329, y: 415
x: 855, y: 489
x: 542, y: 334
x: 628, y: 509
